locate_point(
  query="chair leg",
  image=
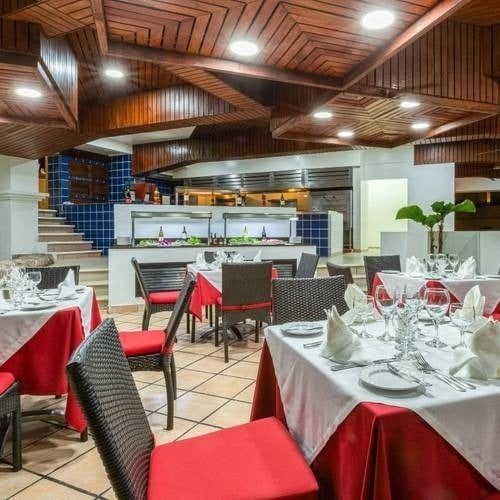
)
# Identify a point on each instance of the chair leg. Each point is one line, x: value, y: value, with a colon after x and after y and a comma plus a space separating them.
x: 173, y: 373
x: 84, y: 436
x: 226, y: 342
x: 169, y: 386
x: 193, y: 329
x: 17, y: 460
x: 257, y: 330
x: 188, y: 317
x: 211, y: 315
x: 145, y: 318
x: 216, y: 330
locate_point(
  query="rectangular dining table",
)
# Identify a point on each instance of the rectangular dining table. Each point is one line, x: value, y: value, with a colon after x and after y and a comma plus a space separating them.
x: 372, y: 447
x: 39, y: 360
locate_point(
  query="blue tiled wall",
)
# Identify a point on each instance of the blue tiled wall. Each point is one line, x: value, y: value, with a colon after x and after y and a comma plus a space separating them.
x: 58, y: 180
x: 120, y: 168
x: 313, y: 227
x: 95, y: 221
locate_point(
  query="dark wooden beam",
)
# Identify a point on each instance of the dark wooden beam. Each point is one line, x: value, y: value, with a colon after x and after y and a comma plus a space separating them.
x: 40, y: 122
x: 437, y: 14
x: 462, y: 122
x: 168, y: 57
x: 100, y: 25
x: 334, y: 141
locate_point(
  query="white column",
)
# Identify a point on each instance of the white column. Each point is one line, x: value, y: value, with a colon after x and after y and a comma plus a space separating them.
x: 19, y: 198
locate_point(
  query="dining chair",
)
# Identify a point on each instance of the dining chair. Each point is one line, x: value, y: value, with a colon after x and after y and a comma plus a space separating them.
x: 209, y: 256
x: 246, y: 294
x: 254, y: 460
x: 10, y: 409
x: 153, y: 350
x: 286, y: 268
x: 307, y: 265
x: 159, y: 284
x: 52, y: 276
x: 305, y: 299
x: 376, y: 263
x: 338, y: 270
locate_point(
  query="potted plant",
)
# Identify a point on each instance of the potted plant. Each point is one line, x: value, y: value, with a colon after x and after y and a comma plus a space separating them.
x: 440, y: 210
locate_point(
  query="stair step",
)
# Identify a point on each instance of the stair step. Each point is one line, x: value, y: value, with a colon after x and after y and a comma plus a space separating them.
x: 56, y: 228
x: 46, y: 212
x: 78, y: 254
x: 63, y: 246
x: 52, y: 220
x: 58, y: 237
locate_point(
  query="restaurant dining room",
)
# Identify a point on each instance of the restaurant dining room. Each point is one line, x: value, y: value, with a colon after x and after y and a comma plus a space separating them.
x: 259, y: 237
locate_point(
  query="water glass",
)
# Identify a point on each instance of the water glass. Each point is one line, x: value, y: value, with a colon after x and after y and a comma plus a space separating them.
x: 436, y: 302
x: 442, y: 263
x: 454, y: 261
x: 404, y: 324
x: 35, y: 277
x: 462, y: 317
x: 364, y: 309
x: 431, y: 261
x: 386, y: 300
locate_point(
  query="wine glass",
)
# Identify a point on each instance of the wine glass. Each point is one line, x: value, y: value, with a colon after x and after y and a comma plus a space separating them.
x: 414, y: 297
x: 364, y: 309
x: 386, y: 300
x: 431, y: 262
x: 436, y: 301
x: 404, y: 320
x: 462, y: 317
x: 35, y: 277
x: 454, y: 261
x: 441, y: 263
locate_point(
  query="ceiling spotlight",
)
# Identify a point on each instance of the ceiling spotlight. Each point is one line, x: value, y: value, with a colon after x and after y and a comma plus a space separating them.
x: 323, y: 115
x: 244, y: 48
x: 345, y: 134
x: 27, y: 92
x: 409, y: 104
x: 377, y: 19
x: 420, y: 125
x: 114, y: 73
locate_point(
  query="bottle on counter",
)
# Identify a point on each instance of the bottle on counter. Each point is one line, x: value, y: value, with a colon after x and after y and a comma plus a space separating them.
x: 156, y: 196
x: 245, y: 232
x: 184, y: 233
x: 160, y: 235
x: 238, y: 199
x: 282, y: 201
x: 264, y: 235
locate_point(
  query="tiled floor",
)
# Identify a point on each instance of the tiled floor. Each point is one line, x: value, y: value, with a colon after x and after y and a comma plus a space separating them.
x: 212, y: 395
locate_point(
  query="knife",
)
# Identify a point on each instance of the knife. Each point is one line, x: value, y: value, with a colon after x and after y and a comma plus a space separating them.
x: 404, y: 375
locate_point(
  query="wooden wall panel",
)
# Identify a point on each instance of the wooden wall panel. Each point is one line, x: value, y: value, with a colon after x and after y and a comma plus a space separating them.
x: 19, y: 37
x: 448, y: 61
x: 484, y: 151
x: 477, y: 170
x: 248, y: 143
x: 58, y: 58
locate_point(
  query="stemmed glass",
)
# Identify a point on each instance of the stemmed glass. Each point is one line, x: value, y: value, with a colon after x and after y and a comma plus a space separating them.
x: 364, y: 309
x: 386, y: 302
x: 462, y: 317
x: 442, y: 263
x: 431, y: 262
x: 414, y: 297
x: 454, y: 260
x: 436, y: 301
x: 36, y: 278
x: 404, y: 324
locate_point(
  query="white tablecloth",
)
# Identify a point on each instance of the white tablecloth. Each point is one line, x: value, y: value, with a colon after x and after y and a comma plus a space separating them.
x: 316, y: 400
x: 18, y: 327
x: 214, y: 276
x: 489, y: 287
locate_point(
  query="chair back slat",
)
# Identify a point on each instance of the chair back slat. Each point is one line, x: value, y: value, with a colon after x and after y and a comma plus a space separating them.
x: 179, y: 309
x: 52, y: 276
x: 337, y: 270
x: 286, y: 268
x: 307, y: 265
x: 248, y: 283
x: 376, y: 263
x: 158, y: 276
x: 101, y: 379
x: 304, y: 299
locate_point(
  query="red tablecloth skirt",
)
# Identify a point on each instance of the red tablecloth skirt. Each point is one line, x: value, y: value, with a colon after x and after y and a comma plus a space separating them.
x: 437, y: 284
x: 381, y: 452
x: 40, y: 365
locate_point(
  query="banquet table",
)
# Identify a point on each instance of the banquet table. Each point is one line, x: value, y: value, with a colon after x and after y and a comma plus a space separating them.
x: 39, y: 361
x: 489, y: 287
x: 375, y: 447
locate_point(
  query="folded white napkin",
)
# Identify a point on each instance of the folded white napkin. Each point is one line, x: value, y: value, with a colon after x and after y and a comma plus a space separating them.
x: 467, y: 269
x: 258, y: 256
x: 237, y: 258
x: 474, y: 299
x: 200, y: 260
x: 352, y: 295
x: 414, y: 267
x: 67, y: 287
x: 340, y: 343
x: 220, y: 256
x: 482, y: 360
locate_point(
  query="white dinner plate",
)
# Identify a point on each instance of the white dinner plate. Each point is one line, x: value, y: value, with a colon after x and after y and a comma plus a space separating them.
x: 37, y: 307
x: 379, y: 377
x: 301, y: 329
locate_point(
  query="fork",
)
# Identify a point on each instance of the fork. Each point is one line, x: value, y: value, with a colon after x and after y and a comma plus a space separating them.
x: 460, y: 385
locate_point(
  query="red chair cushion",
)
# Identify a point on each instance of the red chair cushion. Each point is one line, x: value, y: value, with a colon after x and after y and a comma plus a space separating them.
x: 252, y: 461
x: 163, y: 297
x: 142, y: 343
x: 6, y: 380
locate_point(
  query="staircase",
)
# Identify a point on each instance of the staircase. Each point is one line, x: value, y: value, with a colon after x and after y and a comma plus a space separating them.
x: 61, y: 238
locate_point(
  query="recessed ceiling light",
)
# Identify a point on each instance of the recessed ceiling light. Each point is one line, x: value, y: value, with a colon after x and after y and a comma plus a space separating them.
x: 409, y: 104
x: 114, y: 73
x: 244, y: 48
x: 345, y: 134
x: 377, y: 19
x: 420, y: 125
x: 323, y: 115
x: 27, y: 92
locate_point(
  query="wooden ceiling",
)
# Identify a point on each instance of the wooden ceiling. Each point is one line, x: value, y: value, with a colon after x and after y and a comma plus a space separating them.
x: 179, y: 71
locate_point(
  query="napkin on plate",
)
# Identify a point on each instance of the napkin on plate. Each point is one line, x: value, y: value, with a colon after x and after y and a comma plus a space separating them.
x: 237, y: 257
x: 482, y: 360
x: 474, y: 299
x: 414, y: 267
x: 258, y: 256
x: 340, y: 343
x: 352, y: 295
x: 467, y: 269
x: 67, y: 288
